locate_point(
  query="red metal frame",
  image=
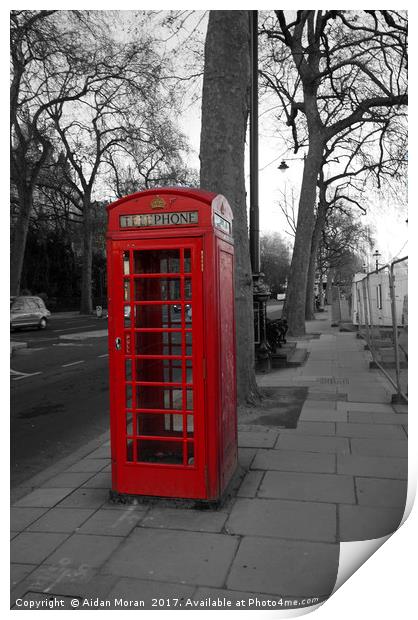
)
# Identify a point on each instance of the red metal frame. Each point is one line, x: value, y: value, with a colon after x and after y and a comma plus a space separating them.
x: 174, y: 445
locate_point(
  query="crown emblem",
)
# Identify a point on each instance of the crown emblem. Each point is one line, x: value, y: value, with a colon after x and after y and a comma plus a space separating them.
x: 157, y: 203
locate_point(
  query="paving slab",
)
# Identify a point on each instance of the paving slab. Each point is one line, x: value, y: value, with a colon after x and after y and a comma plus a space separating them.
x: 330, y: 488
x: 85, y: 549
x: 20, y: 518
x: 246, y: 456
x: 362, y: 417
x: 367, y: 522
x: 384, y: 431
x: 175, y: 556
x: 68, y: 480
x: 325, y: 405
x: 372, y: 466
x: 89, y: 465
x: 379, y: 447
x: 111, y: 522
x: 390, y: 418
x: 85, y: 498
x: 294, y: 460
x: 251, y: 482
x: 311, y: 428
x: 314, y: 443
x: 283, y: 519
x: 367, y: 407
x: 61, y: 520
x: 368, y: 396
x: 257, y: 439
x: 129, y: 589
x: 380, y: 492
x: 320, y: 415
x: 102, y: 480
x: 19, y: 572
x: 185, y: 519
x: 43, y: 497
x: 34, y: 547
x: 101, y: 453
x: 288, y: 568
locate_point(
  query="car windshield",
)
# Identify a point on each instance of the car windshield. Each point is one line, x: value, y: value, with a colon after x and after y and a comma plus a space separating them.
x: 16, y: 305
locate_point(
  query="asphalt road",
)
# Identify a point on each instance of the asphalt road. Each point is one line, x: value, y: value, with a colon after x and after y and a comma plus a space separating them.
x: 59, y: 392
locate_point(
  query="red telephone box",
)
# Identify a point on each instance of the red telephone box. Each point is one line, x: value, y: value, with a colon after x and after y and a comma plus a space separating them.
x: 172, y: 344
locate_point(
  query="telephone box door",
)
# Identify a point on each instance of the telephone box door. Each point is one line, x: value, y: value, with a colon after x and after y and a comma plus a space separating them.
x: 156, y: 365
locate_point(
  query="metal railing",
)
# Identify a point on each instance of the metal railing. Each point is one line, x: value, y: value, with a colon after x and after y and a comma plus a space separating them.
x: 379, y: 307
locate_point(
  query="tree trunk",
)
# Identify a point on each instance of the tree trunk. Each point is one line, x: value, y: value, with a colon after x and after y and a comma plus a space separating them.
x: 296, y: 291
x: 316, y: 239
x: 86, y: 306
x: 20, y: 233
x: 310, y: 285
x: 226, y: 85
x: 330, y: 278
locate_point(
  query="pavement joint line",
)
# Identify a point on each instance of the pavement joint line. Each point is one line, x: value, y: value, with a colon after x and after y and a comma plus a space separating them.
x: 104, y: 355
x: 72, y: 364
x: 240, y: 537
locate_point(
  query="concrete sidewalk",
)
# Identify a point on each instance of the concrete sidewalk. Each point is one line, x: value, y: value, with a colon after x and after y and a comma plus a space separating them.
x: 339, y: 476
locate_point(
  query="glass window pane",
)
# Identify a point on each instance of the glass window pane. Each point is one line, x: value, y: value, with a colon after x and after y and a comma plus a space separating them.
x: 157, y: 289
x: 188, y: 313
x: 152, y: 451
x: 188, y: 342
x: 164, y: 315
x: 128, y: 370
x: 189, y: 371
x: 127, y: 316
x: 187, y: 261
x: 129, y: 426
x: 157, y: 261
x: 130, y: 450
x: 126, y: 290
x: 158, y: 397
x: 173, y: 371
x: 187, y: 288
x: 161, y: 425
x: 190, y: 453
x: 126, y: 263
x: 129, y: 396
x: 189, y: 400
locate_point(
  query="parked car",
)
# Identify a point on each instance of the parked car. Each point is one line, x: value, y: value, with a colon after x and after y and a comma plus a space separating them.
x: 28, y: 311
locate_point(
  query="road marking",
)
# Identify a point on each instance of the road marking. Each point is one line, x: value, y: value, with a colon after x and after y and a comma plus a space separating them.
x: 72, y: 364
x: 104, y: 355
x: 101, y: 333
x: 17, y: 376
x: 72, y: 344
x: 68, y: 329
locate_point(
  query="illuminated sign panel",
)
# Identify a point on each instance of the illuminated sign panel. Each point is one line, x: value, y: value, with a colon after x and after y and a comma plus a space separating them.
x: 221, y: 223
x: 176, y: 218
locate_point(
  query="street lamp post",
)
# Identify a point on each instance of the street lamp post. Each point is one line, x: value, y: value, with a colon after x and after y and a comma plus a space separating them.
x: 376, y: 256
x: 261, y: 292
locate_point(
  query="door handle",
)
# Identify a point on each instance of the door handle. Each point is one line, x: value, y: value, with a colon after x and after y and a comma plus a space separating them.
x: 118, y: 344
